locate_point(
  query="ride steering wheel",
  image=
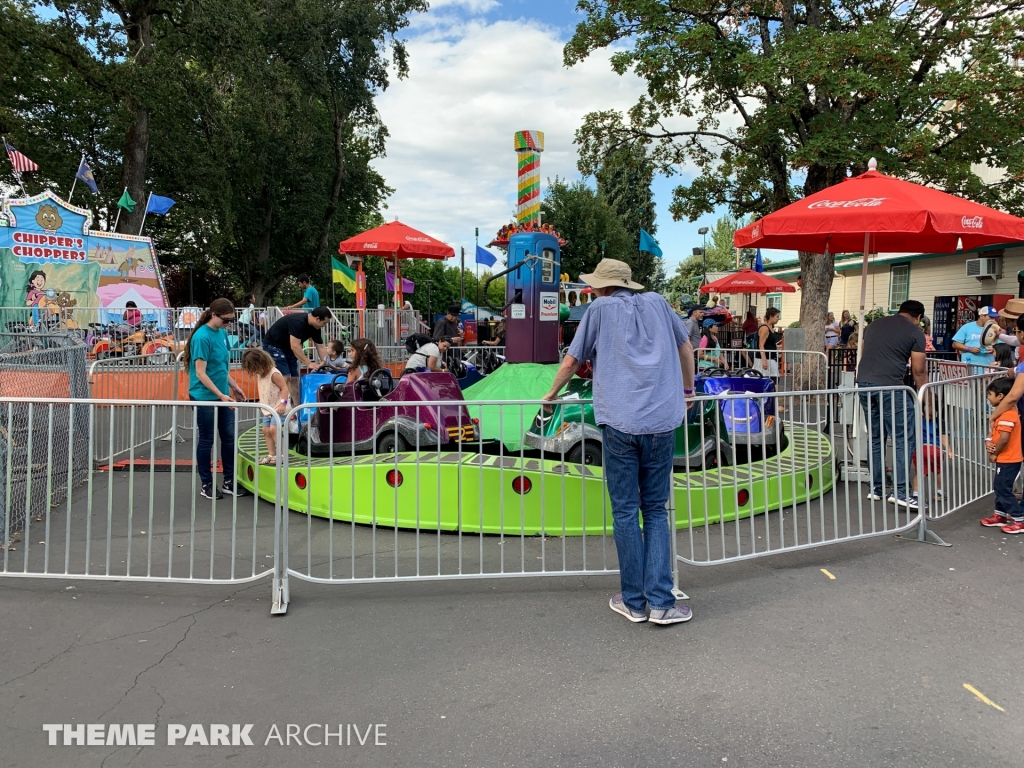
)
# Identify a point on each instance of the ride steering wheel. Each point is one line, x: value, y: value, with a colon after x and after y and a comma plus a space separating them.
x: 337, y: 387
x: 750, y: 373
x: 381, y: 381
x: 714, y: 373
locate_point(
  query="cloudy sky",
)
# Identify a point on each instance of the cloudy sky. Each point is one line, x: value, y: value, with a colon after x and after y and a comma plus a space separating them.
x: 479, y: 71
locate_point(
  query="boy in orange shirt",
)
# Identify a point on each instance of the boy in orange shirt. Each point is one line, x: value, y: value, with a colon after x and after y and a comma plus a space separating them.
x: 1004, y: 448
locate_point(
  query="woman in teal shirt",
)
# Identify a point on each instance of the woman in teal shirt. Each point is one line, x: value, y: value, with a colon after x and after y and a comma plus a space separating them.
x: 207, y: 358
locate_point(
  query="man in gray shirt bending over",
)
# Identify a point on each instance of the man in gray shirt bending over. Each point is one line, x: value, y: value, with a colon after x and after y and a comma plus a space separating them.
x: 643, y: 373
x: 888, y: 343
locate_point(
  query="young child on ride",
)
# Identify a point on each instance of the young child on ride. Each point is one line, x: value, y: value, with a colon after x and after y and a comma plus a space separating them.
x: 934, y: 442
x: 272, y: 386
x: 336, y: 359
x: 1004, y: 448
x: 365, y: 359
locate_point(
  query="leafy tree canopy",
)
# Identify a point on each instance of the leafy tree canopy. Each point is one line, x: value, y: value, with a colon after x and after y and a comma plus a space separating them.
x: 258, y: 118
x: 770, y: 101
x: 624, y: 181
x: 588, y: 224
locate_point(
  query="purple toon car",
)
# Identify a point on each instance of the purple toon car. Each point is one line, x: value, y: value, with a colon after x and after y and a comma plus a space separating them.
x: 370, y: 424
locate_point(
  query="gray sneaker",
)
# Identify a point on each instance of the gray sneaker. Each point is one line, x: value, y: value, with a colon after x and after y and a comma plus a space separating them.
x: 618, y: 606
x: 675, y: 615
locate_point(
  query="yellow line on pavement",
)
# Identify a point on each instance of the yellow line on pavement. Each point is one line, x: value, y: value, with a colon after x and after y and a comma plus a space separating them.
x: 983, y: 697
x: 828, y: 574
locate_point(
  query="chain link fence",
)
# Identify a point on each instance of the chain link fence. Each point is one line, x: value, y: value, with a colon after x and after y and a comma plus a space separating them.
x: 43, y: 450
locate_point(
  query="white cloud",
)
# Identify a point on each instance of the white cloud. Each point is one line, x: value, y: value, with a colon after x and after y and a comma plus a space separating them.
x: 471, y: 87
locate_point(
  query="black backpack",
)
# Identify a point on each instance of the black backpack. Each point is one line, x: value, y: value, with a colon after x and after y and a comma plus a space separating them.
x: 415, y: 341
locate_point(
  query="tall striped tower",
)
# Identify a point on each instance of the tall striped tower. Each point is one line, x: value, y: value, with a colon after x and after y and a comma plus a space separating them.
x: 529, y: 145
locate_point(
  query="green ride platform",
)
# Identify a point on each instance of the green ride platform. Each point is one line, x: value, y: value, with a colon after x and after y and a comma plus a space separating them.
x: 481, y: 493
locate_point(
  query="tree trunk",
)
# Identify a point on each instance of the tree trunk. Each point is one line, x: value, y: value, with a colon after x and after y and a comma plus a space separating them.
x: 133, y: 171
x: 136, y: 145
x: 816, y: 273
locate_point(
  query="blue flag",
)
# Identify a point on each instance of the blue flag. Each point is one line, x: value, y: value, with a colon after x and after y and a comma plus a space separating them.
x: 649, y: 244
x: 758, y: 264
x: 485, y: 257
x: 85, y: 174
x: 159, y: 205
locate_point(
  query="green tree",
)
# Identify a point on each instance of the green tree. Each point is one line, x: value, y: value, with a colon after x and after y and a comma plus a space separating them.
x: 624, y: 181
x: 258, y: 118
x: 588, y: 224
x: 772, y: 101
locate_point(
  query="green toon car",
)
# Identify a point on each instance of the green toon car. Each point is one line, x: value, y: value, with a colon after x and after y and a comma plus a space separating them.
x: 570, y: 430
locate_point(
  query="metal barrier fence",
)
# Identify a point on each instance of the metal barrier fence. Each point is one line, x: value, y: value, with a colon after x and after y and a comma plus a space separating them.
x: 803, y: 500
x: 437, y: 490
x: 955, y: 425
x: 142, y: 518
x: 390, y: 491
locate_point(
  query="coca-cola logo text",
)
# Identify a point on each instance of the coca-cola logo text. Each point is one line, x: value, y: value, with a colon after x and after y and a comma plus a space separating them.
x: 862, y: 202
x: 972, y: 222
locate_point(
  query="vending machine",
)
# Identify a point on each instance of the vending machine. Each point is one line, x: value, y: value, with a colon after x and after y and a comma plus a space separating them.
x: 950, y: 312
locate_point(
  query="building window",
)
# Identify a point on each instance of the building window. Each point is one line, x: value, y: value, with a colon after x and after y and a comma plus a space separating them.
x: 899, y: 285
x: 773, y: 300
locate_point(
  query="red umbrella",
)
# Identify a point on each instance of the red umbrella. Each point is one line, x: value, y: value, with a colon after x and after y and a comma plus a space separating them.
x: 873, y: 213
x: 395, y: 239
x: 748, y: 281
x: 899, y: 216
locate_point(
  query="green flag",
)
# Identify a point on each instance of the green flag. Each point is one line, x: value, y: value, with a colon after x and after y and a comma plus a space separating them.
x: 344, y: 275
x: 126, y: 202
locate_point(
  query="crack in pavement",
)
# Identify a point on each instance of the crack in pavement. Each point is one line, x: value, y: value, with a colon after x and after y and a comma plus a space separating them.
x: 52, y: 658
x: 160, y: 661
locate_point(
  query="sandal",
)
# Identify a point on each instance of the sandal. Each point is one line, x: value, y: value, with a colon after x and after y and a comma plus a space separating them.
x: 268, y: 460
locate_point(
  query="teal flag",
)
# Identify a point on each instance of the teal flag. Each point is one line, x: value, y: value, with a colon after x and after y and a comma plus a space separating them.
x: 649, y: 244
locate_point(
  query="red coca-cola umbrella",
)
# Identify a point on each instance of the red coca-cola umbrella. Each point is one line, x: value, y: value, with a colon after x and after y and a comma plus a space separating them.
x: 395, y: 241
x: 747, y: 281
x: 898, y: 216
x: 874, y: 213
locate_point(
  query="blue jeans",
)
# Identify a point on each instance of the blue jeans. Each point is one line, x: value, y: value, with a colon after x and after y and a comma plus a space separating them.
x: 225, y: 420
x: 285, y: 361
x: 1006, y: 500
x: 889, y: 414
x: 639, y: 469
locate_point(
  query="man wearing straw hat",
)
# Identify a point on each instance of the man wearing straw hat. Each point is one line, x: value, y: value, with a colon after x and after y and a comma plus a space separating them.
x: 643, y: 373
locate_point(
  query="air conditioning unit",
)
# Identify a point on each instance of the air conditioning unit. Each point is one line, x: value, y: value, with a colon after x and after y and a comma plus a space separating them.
x: 989, y: 267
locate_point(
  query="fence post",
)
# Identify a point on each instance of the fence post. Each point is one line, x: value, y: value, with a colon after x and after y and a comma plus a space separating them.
x: 279, y: 585
x: 921, y: 533
x: 671, y: 503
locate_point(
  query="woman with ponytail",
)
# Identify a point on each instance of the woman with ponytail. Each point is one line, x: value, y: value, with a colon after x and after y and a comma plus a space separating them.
x: 207, y: 358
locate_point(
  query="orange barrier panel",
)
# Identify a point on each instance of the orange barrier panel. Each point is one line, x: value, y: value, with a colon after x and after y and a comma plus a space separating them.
x: 248, y: 384
x: 137, y: 385
x: 42, y: 384
x: 132, y: 385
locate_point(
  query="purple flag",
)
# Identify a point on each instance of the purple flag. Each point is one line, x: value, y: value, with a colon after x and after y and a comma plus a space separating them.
x: 408, y: 286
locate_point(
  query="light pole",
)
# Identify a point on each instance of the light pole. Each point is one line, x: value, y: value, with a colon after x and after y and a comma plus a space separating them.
x: 430, y: 315
x: 703, y: 232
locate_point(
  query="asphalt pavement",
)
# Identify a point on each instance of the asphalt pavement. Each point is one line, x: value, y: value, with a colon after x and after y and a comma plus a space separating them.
x: 854, y: 655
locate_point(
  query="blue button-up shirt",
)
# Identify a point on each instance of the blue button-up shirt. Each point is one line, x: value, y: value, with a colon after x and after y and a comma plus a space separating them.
x: 633, y: 341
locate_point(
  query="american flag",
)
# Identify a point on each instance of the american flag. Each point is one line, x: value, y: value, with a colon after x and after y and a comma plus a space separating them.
x: 19, y: 161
